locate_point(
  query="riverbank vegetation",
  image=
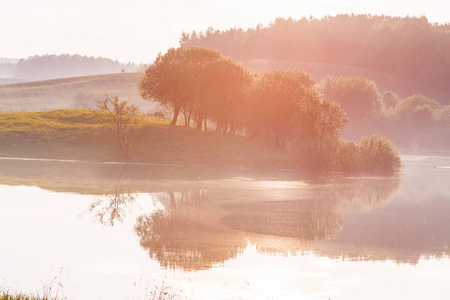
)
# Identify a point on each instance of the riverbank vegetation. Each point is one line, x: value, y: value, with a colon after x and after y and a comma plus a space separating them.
x: 11, y: 296
x: 413, y: 122
x: 283, y: 108
x: 79, y: 134
x: 276, y: 119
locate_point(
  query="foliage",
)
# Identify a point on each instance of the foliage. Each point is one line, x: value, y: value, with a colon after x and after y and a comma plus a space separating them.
x: 444, y: 115
x: 416, y: 121
x: 285, y: 109
x: 65, y: 65
x: 198, y: 82
x: 274, y: 100
x: 409, y: 47
x: 415, y: 104
x: 358, y: 96
x: 222, y: 94
x: 416, y: 114
x: 390, y: 100
x: 170, y: 79
x: 346, y: 158
x: 378, y: 155
x: 41, y: 67
x: 281, y: 106
x: 9, y: 296
x: 123, y: 117
x: 317, y: 126
x: 159, y: 114
x: 373, y: 155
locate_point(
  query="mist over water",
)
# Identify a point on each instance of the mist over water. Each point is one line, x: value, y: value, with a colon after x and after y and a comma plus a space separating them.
x: 119, y: 232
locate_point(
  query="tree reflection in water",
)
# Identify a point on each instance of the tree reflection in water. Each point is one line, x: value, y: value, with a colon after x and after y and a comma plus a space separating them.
x: 318, y: 215
x: 179, y: 237
x: 196, y: 230
x: 111, y: 208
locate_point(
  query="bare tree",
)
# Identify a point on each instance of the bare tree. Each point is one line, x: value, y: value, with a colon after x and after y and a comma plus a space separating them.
x: 123, y: 117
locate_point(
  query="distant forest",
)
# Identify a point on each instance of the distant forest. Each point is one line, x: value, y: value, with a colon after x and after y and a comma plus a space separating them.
x: 409, y: 47
x: 62, y: 66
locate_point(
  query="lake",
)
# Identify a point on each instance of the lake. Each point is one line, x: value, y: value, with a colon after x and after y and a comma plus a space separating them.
x: 83, y: 230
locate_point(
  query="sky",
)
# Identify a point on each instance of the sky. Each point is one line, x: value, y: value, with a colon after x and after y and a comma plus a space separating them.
x: 137, y: 30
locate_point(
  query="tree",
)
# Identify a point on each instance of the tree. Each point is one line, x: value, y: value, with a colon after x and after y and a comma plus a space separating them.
x: 358, y: 96
x: 177, y: 235
x: 378, y: 155
x: 173, y: 79
x: 316, y: 133
x: 276, y: 96
x: 64, y: 65
x: 123, y: 117
x: 114, y: 206
x: 390, y: 100
x: 444, y: 115
x: 416, y: 103
x: 199, y: 83
x: 222, y: 94
x: 163, y: 82
x: 416, y: 112
x: 415, y: 119
x: 411, y: 48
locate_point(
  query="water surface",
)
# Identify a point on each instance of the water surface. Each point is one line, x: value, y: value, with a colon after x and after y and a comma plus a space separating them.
x: 106, y: 231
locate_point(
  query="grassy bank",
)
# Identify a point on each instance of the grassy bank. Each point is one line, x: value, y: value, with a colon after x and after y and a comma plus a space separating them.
x: 10, y: 296
x: 77, y: 134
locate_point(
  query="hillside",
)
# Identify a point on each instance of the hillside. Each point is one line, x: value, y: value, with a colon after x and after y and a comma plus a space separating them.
x: 385, y: 82
x: 404, y: 47
x: 12, y: 80
x: 62, y: 93
x: 77, y: 134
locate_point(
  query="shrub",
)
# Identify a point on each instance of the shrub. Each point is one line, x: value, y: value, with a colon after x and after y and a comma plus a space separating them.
x: 373, y: 155
x: 378, y: 155
x: 159, y: 114
x: 346, y: 156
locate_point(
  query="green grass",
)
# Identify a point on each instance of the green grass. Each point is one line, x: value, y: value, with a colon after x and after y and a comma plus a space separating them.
x: 77, y: 134
x: 60, y: 93
x: 9, y: 296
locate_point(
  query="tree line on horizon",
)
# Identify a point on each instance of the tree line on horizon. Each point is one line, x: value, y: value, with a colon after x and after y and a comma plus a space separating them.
x: 407, y: 47
x: 42, y: 67
x: 284, y: 108
x: 413, y: 122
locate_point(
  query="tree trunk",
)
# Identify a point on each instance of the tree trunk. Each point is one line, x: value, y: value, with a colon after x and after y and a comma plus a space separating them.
x: 199, y: 123
x: 186, y: 123
x: 175, y: 116
x: 188, y: 119
x: 173, y: 204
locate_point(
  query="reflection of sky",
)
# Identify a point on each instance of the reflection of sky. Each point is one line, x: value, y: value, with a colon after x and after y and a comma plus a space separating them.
x: 46, y: 234
x: 311, y: 277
